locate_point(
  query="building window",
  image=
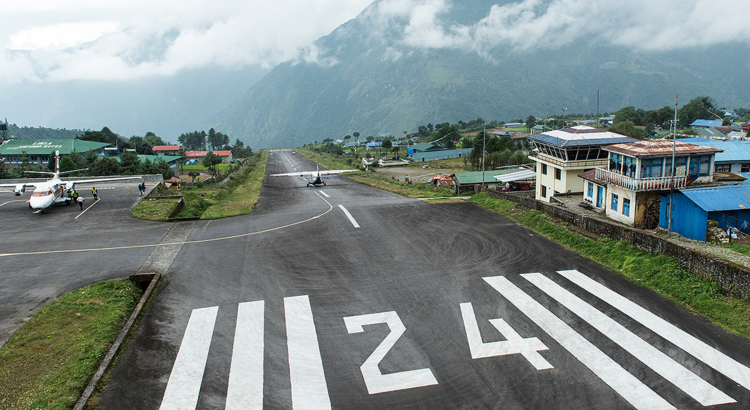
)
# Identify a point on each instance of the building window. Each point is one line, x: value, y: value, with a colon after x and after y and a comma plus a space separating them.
x: 544, y: 169
x: 722, y: 167
x: 651, y: 168
x: 614, y: 202
x: 628, y: 166
x: 544, y: 191
x: 591, y: 189
x: 626, y: 206
x: 558, y: 174
x: 744, y: 167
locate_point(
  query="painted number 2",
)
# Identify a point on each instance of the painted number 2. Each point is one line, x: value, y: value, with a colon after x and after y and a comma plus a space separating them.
x: 377, y: 382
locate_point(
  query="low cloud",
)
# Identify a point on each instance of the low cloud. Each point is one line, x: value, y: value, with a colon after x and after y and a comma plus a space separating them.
x: 114, y: 40
x: 533, y: 24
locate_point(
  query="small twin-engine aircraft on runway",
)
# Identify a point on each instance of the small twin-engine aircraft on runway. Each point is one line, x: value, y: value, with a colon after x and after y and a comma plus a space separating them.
x: 53, y: 190
x: 313, y: 177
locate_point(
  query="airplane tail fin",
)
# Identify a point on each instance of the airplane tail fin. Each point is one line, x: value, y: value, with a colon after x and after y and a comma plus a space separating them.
x: 318, y: 165
x: 57, y: 162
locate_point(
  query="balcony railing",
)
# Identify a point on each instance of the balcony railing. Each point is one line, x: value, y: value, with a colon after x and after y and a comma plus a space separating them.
x: 589, y: 163
x: 643, y: 184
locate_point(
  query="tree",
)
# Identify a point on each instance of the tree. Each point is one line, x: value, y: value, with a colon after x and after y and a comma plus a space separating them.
x: 151, y: 139
x: 628, y: 129
x: 105, y: 166
x: 370, y: 138
x: 193, y: 175
x: 129, y: 163
x: 628, y: 114
x: 387, y: 144
x: 697, y: 109
x: 347, y: 138
x: 210, y: 161
x: 530, y: 122
x: 95, y: 136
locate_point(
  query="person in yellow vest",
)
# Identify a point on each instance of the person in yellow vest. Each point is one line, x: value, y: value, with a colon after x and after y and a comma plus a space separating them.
x: 95, y: 193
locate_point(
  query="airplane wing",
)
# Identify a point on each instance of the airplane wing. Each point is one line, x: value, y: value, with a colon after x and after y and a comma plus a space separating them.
x: 314, y: 173
x: 88, y: 181
x: 25, y: 185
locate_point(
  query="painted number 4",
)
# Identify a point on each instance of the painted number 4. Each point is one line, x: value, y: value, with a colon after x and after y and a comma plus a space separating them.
x: 376, y: 381
x: 514, y: 343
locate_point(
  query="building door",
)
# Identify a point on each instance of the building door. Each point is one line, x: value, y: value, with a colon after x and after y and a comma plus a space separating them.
x: 599, y: 196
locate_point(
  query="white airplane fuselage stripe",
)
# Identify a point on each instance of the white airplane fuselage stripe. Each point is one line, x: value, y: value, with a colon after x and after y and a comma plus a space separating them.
x: 245, y: 388
x: 665, y: 366
x: 309, y: 387
x: 185, y: 380
x: 703, y: 352
x: 620, y: 380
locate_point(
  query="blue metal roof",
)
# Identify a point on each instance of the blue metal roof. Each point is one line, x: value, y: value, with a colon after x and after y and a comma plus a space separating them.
x: 706, y: 123
x: 734, y: 151
x: 723, y: 198
x: 435, y: 155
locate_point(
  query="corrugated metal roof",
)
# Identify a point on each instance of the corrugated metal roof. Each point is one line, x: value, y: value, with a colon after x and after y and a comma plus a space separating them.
x: 734, y: 151
x: 44, y: 147
x: 724, y: 198
x: 706, y: 123
x: 659, y: 148
x: 476, y: 177
x: 516, y: 176
x: 580, y: 135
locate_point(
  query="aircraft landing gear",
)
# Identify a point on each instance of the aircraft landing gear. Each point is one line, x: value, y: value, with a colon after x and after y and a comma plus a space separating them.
x: 308, y: 184
x: 324, y: 184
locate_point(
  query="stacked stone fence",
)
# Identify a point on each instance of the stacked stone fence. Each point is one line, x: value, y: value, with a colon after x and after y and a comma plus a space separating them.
x: 732, y: 277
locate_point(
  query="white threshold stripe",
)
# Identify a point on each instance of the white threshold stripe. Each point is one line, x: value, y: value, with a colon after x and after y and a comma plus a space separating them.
x: 348, y: 215
x: 700, y: 350
x: 621, y: 381
x: 245, y: 389
x: 688, y: 382
x: 324, y: 194
x: 309, y: 388
x: 184, y: 385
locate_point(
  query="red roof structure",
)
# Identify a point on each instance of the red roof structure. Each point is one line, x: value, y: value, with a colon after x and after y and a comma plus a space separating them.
x: 659, y: 148
x: 201, y: 154
x: 167, y: 147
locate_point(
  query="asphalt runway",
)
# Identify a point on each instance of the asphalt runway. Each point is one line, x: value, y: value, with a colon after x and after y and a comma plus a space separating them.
x: 349, y: 297
x: 33, y: 271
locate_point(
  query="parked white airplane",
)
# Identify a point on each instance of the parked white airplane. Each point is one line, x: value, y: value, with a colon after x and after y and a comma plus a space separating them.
x: 53, y: 190
x: 313, y: 177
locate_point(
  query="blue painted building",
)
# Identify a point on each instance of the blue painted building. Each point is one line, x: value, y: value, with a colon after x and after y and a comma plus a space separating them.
x: 693, y: 208
x: 435, y: 155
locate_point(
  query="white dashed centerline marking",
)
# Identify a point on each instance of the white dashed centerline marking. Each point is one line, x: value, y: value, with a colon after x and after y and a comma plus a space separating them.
x: 324, y: 194
x: 348, y: 215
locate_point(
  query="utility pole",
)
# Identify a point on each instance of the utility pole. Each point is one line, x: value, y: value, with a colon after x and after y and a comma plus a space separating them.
x: 671, y: 183
x: 484, y: 144
x: 597, y: 108
x: 563, y: 118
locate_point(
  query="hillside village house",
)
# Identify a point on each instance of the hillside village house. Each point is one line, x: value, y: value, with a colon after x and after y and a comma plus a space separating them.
x: 629, y: 187
x: 226, y: 155
x: 561, y: 155
x: 166, y: 149
x: 41, y: 152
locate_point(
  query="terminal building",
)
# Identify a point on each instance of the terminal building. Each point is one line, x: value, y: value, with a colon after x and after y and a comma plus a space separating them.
x: 41, y: 152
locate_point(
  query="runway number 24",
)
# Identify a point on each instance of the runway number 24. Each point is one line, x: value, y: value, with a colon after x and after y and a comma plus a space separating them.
x: 379, y: 383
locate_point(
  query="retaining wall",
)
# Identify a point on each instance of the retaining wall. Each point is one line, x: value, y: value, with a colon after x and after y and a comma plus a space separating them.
x: 730, y: 276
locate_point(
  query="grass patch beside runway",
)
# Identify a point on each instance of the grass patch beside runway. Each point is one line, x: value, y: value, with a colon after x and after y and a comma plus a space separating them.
x: 49, y: 361
x: 245, y: 191
x: 420, y: 190
x: 657, y: 272
x: 154, y: 209
x: 330, y: 161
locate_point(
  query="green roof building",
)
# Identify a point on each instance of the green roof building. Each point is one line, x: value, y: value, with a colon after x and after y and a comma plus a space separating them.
x: 40, y: 152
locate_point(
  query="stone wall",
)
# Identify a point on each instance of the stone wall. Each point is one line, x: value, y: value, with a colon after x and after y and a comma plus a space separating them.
x: 730, y: 276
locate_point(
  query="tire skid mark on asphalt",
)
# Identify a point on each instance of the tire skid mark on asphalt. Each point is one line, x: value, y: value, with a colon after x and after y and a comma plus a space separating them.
x: 223, y: 238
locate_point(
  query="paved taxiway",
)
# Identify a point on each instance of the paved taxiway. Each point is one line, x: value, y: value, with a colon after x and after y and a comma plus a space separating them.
x: 37, y: 275
x: 399, y: 304
x: 402, y: 304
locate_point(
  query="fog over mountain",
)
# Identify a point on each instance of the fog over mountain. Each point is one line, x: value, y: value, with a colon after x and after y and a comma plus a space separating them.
x: 165, y: 105
x: 402, y: 63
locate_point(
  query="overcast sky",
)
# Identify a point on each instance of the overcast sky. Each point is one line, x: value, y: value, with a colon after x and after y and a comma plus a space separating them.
x: 124, y: 39
x: 54, y: 40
